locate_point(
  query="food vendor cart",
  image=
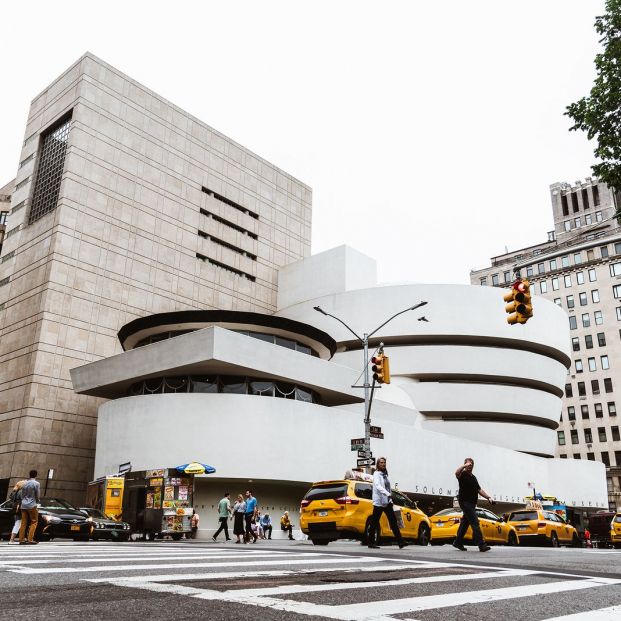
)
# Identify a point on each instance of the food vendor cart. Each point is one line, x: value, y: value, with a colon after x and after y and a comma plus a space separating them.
x: 160, y: 501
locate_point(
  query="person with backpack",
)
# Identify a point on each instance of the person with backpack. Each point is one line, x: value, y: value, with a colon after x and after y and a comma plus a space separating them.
x: 16, y: 498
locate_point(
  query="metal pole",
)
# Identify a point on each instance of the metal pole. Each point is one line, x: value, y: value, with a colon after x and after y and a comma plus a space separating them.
x: 367, y: 409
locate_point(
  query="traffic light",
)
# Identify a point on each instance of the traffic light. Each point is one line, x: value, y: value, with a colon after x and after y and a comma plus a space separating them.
x: 520, y: 307
x: 381, y: 368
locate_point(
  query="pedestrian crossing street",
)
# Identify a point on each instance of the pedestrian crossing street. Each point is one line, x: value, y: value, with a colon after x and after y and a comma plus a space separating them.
x: 342, y: 586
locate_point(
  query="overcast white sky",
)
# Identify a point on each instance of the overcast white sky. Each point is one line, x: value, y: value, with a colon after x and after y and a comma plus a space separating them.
x: 429, y: 131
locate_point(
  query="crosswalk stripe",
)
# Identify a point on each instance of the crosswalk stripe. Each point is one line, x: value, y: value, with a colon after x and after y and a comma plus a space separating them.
x: 375, y: 610
x: 128, y: 580
x: 158, y: 557
x: 613, y: 613
x: 473, y: 597
x: 241, y: 563
x: 340, y: 586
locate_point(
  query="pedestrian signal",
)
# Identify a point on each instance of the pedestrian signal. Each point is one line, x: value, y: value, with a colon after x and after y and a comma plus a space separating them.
x: 520, y: 307
x: 381, y: 369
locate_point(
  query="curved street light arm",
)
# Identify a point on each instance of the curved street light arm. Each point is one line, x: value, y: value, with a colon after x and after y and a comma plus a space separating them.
x: 396, y: 315
x: 323, y: 312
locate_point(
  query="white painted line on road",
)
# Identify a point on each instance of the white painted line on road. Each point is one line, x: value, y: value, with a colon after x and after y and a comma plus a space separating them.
x: 341, y: 586
x: 603, y: 614
x: 428, y: 602
x: 377, y: 610
x: 41, y: 552
x: 156, y: 557
x: 240, y: 563
x: 258, y: 574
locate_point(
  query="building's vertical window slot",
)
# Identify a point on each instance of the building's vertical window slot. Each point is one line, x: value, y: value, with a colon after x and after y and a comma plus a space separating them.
x: 565, y: 205
x: 50, y: 166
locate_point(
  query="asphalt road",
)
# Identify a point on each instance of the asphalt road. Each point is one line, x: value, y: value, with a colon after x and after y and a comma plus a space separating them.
x: 297, y: 581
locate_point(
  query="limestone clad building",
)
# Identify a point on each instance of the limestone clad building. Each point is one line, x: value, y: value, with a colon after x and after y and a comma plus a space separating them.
x: 123, y: 206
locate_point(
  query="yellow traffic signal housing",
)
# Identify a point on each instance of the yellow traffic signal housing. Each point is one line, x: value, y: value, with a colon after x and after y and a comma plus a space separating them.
x: 520, y: 307
x: 381, y: 369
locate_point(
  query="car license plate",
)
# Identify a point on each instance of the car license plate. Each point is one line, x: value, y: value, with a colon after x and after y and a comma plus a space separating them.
x: 322, y: 513
x: 75, y: 527
x: 522, y: 527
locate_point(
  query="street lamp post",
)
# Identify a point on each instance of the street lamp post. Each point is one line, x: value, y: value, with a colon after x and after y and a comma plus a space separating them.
x: 364, y: 339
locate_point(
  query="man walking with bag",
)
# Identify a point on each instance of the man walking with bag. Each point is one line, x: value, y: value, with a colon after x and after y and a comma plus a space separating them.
x: 382, y: 503
x: 469, y: 490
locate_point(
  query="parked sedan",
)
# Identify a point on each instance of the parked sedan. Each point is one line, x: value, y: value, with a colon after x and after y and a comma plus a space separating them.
x: 57, y: 518
x: 104, y: 527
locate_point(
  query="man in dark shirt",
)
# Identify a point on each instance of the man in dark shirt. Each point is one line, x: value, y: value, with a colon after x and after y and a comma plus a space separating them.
x: 469, y: 490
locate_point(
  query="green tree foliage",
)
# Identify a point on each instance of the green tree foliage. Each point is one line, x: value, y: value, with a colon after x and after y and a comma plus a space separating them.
x: 599, y: 114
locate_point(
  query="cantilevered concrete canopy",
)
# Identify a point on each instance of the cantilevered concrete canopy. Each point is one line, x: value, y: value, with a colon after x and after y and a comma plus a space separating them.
x: 216, y: 351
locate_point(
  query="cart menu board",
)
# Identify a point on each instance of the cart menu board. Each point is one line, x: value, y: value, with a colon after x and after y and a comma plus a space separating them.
x: 177, y: 494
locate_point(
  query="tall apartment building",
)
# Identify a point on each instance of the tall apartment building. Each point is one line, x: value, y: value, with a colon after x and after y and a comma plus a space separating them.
x: 123, y: 206
x: 579, y: 268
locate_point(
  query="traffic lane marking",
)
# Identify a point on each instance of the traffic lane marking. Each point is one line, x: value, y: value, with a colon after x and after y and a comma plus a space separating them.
x: 340, y: 586
x: 258, y: 574
x: 90, y: 559
x: 241, y: 563
x: 613, y: 613
x: 371, y: 611
x: 446, y: 600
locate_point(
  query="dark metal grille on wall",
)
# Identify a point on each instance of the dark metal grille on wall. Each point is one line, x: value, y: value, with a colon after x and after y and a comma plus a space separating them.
x: 49, y: 170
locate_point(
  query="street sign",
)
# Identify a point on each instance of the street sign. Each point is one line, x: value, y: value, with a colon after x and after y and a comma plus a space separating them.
x: 357, y: 444
x: 365, y: 462
x: 379, y: 436
x: 365, y: 454
x: 373, y: 429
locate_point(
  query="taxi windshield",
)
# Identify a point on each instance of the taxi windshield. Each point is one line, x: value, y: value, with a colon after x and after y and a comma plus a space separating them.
x: 447, y: 512
x: 617, y: 519
x: 523, y: 516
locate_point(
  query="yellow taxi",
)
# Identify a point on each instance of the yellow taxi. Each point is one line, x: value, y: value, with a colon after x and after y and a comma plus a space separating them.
x: 541, y: 526
x: 342, y: 509
x: 615, y: 530
x: 444, y: 525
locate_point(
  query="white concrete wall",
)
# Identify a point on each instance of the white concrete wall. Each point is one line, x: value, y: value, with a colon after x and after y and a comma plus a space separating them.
x: 326, y: 273
x: 465, y: 361
x: 295, y: 442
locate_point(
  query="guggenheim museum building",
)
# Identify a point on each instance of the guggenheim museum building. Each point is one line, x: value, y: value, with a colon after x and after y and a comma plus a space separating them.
x: 273, y: 400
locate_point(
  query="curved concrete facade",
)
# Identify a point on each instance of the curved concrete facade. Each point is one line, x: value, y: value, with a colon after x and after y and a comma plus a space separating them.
x: 465, y: 383
x: 465, y: 364
x: 302, y: 442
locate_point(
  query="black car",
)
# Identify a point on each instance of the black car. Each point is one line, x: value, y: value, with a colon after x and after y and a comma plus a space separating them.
x: 57, y: 518
x: 104, y: 527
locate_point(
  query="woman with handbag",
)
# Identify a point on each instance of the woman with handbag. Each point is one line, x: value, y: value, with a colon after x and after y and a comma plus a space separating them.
x: 239, y: 511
